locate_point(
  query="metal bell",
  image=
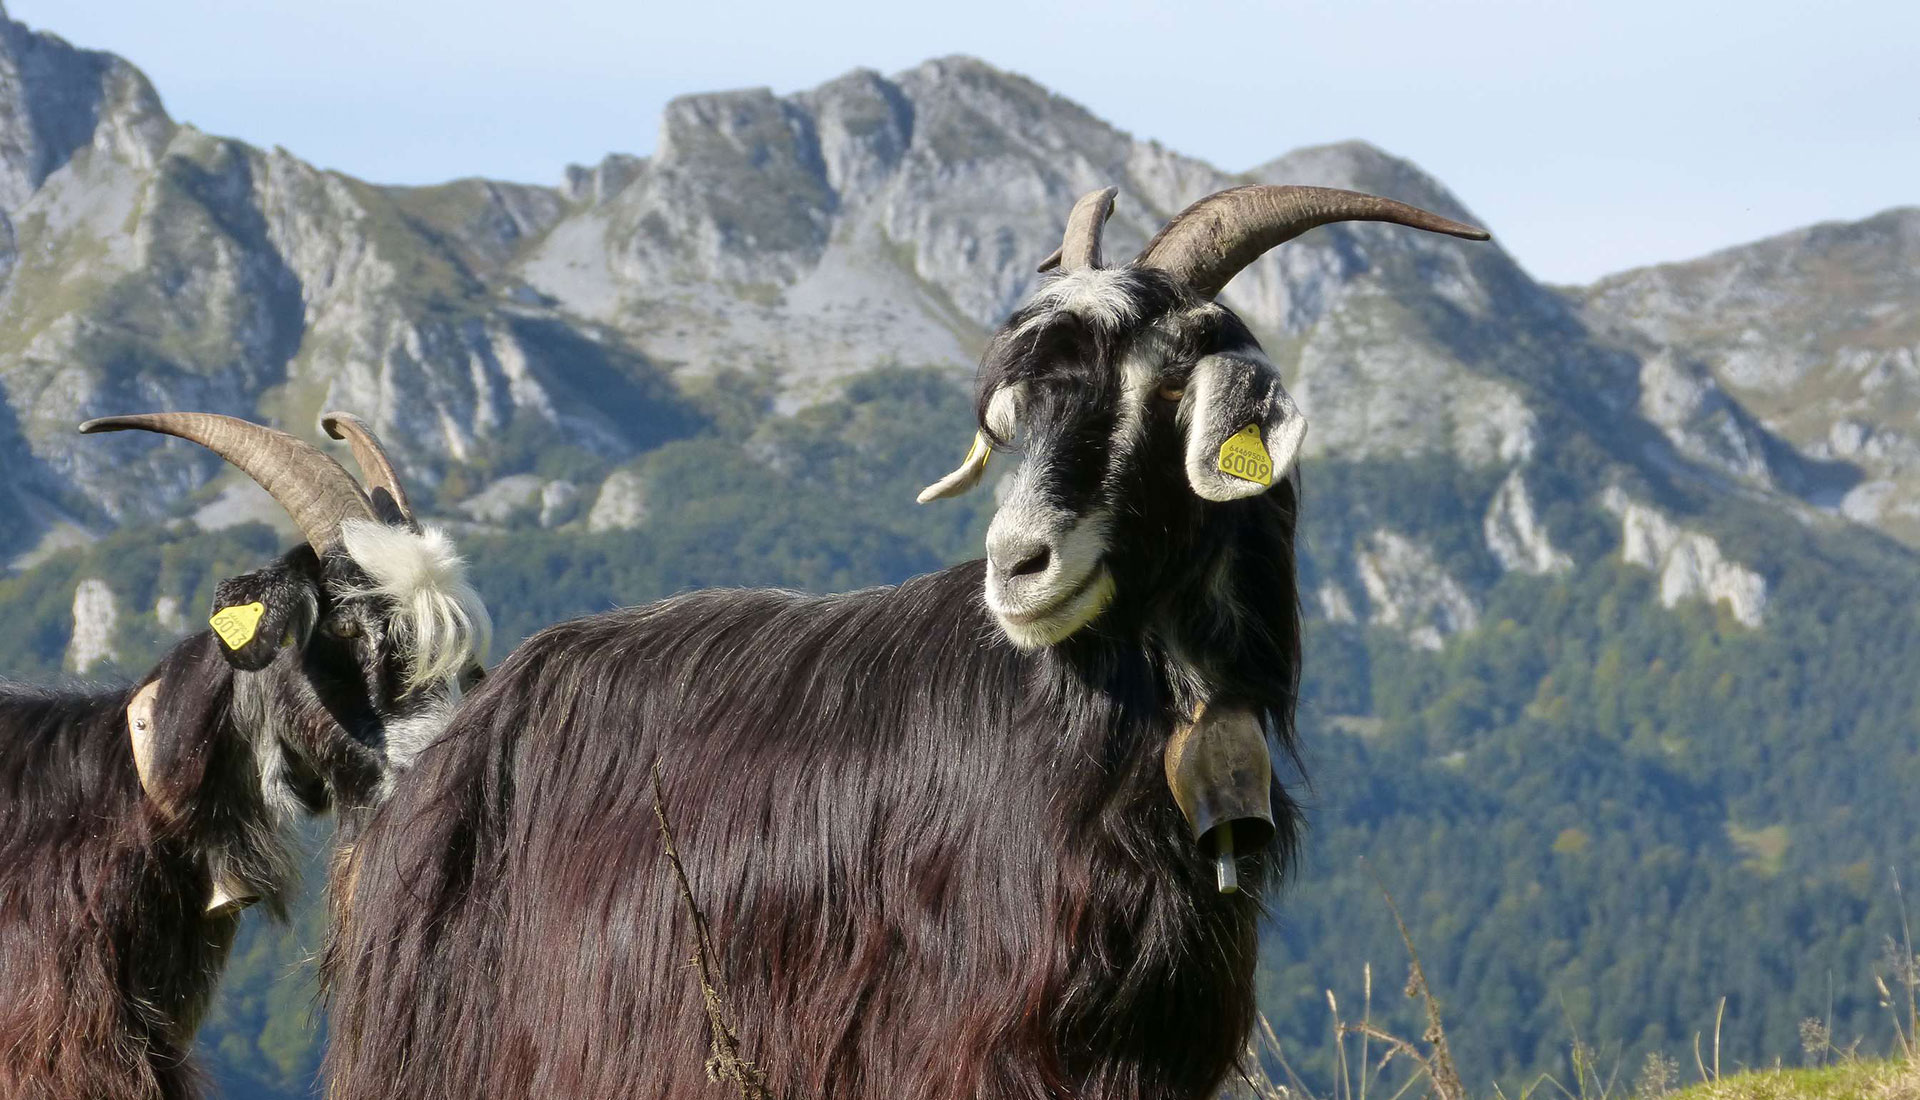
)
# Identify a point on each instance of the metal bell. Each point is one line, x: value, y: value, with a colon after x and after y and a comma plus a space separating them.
x: 229, y: 896
x: 1221, y: 775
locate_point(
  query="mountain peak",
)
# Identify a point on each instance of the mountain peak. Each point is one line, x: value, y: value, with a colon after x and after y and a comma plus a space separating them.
x: 56, y: 99
x: 960, y: 66
x: 1363, y: 166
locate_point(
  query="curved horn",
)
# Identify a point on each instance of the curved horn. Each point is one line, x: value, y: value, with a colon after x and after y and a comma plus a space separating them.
x: 1208, y: 243
x: 376, y: 469
x: 1081, y: 246
x: 971, y: 469
x: 317, y: 493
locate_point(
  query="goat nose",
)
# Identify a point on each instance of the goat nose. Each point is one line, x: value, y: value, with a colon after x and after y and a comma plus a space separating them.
x: 1035, y: 562
x: 1018, y: 557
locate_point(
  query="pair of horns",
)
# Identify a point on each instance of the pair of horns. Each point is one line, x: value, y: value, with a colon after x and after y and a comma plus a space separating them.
x: 317, y: 492
x: 1210, y: 242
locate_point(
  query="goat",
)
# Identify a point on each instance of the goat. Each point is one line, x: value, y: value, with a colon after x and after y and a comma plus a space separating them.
x: 136, y: 823
x: 931, y: 832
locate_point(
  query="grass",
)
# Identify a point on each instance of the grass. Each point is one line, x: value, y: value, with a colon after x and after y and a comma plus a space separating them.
x: 1374, y: 1064
x: 1857, y: 1080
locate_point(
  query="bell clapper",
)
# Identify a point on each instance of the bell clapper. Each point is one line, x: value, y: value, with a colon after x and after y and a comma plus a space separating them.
x: 1226, y: 870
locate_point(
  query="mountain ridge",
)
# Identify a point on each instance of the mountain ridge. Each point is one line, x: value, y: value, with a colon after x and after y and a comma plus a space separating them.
x: 1593, y: 600
x: 816, y: 214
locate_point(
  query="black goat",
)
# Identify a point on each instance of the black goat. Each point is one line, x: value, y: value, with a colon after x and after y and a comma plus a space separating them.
x: 932, y: 834
x: 136, y: 824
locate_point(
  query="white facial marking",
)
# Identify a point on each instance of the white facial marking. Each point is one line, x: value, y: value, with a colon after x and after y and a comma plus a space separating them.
x: 1139, y: 377
x: 1044, y: 605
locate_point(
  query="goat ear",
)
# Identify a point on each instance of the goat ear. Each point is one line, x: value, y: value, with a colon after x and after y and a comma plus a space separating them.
x: 142, y: 715
x: 165, y: 767
x: 257, y: 613
x: 1243, y: 429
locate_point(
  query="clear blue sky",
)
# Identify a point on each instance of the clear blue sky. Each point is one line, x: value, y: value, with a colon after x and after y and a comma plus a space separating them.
x: 1590, y: 137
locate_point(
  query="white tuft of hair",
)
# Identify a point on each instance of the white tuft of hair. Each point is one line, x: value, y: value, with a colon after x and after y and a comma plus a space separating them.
x: 439, y: 621
x: 1097, y: 295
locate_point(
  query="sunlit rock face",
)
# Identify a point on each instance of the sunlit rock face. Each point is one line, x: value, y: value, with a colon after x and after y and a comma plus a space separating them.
x: 1691, y: 565
x: 1410, y: 593
x: 96, y: 615
x: 891, y: 220
x: 1815, y: 334
x: 1515, y: 534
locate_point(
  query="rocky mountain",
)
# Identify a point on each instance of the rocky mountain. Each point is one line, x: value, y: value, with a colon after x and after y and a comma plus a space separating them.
x: 1811, y: 339
x: 1605, y: 584
x: 800, y: 241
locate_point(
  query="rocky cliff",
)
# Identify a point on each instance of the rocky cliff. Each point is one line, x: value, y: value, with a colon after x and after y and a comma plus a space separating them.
x: 874, y: 221
x: 1608, y: 588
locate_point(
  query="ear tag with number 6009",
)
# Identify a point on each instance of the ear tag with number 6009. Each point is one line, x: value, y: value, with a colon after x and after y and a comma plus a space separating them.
x: 1245, y: 457
x: 236, y: 625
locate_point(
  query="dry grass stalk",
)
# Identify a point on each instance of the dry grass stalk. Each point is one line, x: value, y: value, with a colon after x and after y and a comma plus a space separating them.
x: 1906, y: 971
x: 1439, y: 1064
x: 723, y: 1058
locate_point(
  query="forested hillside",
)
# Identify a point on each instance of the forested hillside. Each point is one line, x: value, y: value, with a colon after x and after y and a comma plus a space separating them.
x: 1610, y: 645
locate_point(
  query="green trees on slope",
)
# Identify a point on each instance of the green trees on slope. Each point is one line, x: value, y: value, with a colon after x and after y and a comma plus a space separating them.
x: 1599, y: 815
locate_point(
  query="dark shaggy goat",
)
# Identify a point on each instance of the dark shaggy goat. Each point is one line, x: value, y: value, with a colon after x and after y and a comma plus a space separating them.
x: 932, y: 833
x: 136, y: 824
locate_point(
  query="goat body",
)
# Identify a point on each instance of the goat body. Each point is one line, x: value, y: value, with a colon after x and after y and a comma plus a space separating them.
x: 933, y: 866
x: 108, y: 957
x: 929, y: 826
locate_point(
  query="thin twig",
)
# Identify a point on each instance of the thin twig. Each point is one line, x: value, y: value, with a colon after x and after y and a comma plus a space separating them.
x: 1555, y: 1082
x: 1397, y: 1046
x: 1579, y: 1073
x: 723, y: 1058
x: 1613, y: 1077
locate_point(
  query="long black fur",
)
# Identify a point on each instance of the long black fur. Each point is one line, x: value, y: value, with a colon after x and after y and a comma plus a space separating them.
x: 935, y: 866
x: 108, y: 957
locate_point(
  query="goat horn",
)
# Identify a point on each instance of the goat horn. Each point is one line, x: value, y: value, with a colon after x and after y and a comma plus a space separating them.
x: 1208, y: 243
x: 963, y: 478
x: 1081, y: 246
x: 376, y: 468
x: 317, y: 493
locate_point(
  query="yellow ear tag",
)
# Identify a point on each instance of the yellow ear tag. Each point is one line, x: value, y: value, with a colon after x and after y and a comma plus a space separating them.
x: 236, y: 625
x: 1245, y: 457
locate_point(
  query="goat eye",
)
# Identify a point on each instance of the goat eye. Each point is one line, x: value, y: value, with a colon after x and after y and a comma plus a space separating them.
x: 1171, y: 392
x: 342, y: 626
